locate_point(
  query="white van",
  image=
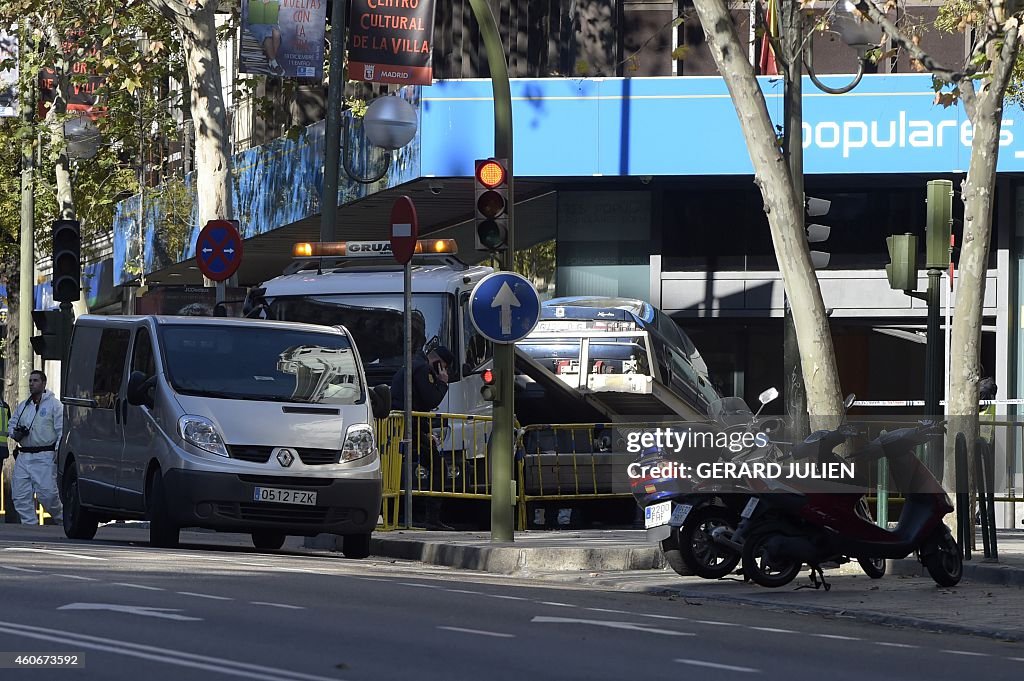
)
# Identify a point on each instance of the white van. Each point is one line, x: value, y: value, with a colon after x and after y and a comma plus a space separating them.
x: 236, y: 425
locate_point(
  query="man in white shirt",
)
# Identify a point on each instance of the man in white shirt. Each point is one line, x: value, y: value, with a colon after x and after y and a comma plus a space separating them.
x: 36, y: 425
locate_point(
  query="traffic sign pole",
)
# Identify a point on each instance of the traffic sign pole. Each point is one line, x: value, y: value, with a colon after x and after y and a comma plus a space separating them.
x: 405, y: 229
x: 504, y: 307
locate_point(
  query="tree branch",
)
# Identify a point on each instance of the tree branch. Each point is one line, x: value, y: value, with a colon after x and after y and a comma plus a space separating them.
x: 869, y: 9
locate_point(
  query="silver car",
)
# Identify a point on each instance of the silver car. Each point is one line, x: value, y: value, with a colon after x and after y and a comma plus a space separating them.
x: 229, y: 424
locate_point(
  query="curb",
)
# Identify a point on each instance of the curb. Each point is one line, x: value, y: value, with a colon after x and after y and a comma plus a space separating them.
x: 868, y: 616
x: 508, y: 560
x: 979, y: 572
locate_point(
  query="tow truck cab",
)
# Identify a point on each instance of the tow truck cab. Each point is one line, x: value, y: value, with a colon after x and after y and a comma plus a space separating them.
x: 359, y: 285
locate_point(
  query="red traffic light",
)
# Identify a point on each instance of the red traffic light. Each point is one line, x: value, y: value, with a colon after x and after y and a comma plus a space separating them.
x: 488, y: 376
x: 490, y: 173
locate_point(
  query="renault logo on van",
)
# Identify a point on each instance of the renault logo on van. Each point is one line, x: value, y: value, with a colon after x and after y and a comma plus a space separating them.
x: 285, y: 456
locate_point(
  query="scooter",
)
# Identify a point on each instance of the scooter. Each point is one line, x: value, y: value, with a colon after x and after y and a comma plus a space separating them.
x: 682, y: 512
x: 818, y: 448
x: 791, y: 526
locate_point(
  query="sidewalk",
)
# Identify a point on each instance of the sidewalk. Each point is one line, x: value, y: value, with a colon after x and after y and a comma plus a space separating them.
x: 988, y: 602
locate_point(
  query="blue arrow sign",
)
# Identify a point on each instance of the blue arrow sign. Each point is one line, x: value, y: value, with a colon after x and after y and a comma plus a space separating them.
x: 504, y: 307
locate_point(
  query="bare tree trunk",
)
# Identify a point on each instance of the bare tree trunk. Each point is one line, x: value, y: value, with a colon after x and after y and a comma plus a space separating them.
x: 198, y: 29
x: 985, y: 110
x: 785, y: 215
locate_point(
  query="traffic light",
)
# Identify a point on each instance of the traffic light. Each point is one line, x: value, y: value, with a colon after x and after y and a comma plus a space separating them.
x: 491, y: 206
x: 939, y: 223
x: 817, y: 234
x: 489, y: 391
x: 902, y: 270
x: 67, y: 261
x: 54, y: 334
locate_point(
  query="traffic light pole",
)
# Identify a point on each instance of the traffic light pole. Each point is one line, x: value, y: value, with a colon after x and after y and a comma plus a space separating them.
x: 332, y: 133
x: 934, y: 371
x: 502, y: 427
x: 794, y: 391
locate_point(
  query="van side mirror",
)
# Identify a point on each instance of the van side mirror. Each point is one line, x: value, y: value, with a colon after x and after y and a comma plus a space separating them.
x: 850, y: 399
x: 139, y: 389
x: 380, y: 401
x: 768, y: 396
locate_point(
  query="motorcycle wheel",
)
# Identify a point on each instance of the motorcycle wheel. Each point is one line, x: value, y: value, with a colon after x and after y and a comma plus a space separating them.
x: 758, y: 567
x: 873, y: 567
x: 699, y: 551
x: 944, y: 562
x: 674, y: 556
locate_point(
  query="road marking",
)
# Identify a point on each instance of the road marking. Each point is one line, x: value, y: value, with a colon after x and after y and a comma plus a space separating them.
x: 617, y: 612
x: 168, y: 656
x: 717, y: 624
x: 560, y: 605
x: 138, y: 586
x: 629, y: 626
x: 466, y: 591
x: 964, y: 652
x: 837, y: 637
x: 56, y: 553
x: 212, y: 598
x: 715, y: 665
x: 84, y: 579
x: 480, y: 632
x: 162, y: 613
x: 18, y: 569
x: 421, y: 586
x: 279, y: 605
x: 507, y: 598
x: 773, y: 630
x: 895, y: 645
x: 663, y: 617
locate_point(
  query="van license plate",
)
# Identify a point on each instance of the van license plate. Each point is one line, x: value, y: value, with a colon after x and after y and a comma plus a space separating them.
x: 657, y: 514
x: 284, y: 496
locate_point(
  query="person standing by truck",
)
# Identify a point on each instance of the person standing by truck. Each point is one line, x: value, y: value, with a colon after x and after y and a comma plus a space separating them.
x: 429, y: 387
x: 36, y: 426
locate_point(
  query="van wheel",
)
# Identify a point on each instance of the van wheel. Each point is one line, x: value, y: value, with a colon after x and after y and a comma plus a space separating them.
x: 163, y: 533
x: 79, y: 523
x: 265, y: 540
x: 356, y: 546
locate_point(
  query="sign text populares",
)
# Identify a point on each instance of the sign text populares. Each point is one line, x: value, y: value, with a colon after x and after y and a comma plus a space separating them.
x: 391, y: 41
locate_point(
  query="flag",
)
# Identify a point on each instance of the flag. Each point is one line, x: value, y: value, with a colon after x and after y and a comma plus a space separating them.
x: 768, y: 63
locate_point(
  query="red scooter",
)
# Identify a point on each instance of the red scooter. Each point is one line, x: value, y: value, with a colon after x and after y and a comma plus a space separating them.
x: 790, y: 526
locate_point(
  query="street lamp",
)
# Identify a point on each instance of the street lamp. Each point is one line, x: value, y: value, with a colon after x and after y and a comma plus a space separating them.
x: 854, y: 30
x: 861, y: 35
x: 389, y: 123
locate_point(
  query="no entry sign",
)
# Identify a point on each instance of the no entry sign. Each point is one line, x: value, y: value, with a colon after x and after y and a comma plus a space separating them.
x: 404, y: 229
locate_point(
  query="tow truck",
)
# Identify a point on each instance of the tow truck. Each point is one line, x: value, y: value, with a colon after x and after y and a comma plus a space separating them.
x: 589, y: 360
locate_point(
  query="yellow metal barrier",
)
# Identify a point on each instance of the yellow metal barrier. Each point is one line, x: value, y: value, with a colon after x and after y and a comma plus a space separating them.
x: 41, y: 513
x: 449, y: 453
x: 389, y: 439
x: 572, y: 462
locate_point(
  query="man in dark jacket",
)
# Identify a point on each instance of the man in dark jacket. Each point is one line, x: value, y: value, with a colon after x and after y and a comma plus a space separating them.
x: 429, y: 388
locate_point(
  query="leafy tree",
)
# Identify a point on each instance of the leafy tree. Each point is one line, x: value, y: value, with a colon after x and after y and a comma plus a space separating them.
x: 981, y: 83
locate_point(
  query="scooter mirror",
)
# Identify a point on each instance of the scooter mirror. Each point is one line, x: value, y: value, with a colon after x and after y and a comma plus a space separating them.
x: 768, y: 396
x: 850, y: 399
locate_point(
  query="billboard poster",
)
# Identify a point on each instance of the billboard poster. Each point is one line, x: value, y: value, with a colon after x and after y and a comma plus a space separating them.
x: 391, y: 42
x: 8, y: 77
x: 83, y: 84
x: 283, y: 38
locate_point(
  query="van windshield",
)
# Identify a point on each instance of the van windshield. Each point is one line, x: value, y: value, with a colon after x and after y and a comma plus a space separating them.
x: 376, y: 322
x: 265, y: 364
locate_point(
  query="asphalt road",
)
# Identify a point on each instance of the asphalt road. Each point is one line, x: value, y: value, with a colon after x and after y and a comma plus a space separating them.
x: 214, y: 612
